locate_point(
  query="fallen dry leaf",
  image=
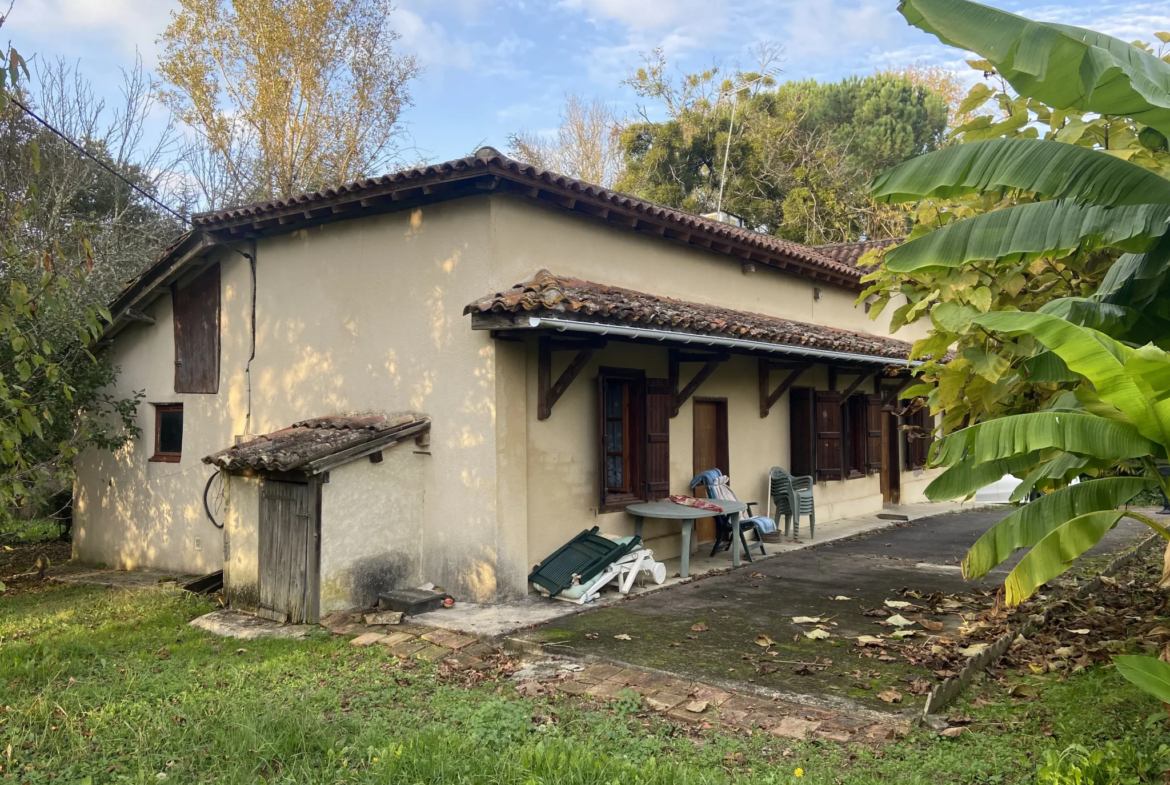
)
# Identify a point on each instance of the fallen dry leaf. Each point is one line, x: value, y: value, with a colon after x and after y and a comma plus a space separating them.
x: 621, y: 636
x: 764, y: 640
x: 897, y: 604
x: 890, y: 696
x: 700, y: 627
x: 697, y: 707
x: 805, y: 619
x: 973, y: 649
x: 817, y: 634
x: 899, y: 621
x: 952, y: 733
x: 841, y: 597
x: 933, y: 626
x: 869, y: 640
x: 1080, y: 632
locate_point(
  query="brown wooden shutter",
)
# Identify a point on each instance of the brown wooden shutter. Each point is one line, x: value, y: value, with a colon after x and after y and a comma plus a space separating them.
x: 873, y: 433
x: 196, y: 317
x: 918, y: 449
x: 658, y: 402
x: 801, y: 415
x: 828, y: 425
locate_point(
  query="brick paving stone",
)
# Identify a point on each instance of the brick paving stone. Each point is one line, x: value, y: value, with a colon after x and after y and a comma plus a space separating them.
x: 664, y: 701
x: 574, y: 687
x: 680, y: 714
x: 432, y: 653
x: 745, y: 703
x: 600, y: 672
x: 407, y: 648
x: 479, y: 650
x: 395, y: 638
x: 633, y: 678
x: 452, y: 640
x: 369, y: 639
x: 793, y: 728
x: 461, y: 661
x: 712, y: 695
x: 831, y: 734
x: 735, y: 719
x: 606, y: 689
x: 875, y: 734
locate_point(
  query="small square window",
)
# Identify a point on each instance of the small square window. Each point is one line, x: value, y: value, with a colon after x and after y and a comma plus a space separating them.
x: 168, y: 432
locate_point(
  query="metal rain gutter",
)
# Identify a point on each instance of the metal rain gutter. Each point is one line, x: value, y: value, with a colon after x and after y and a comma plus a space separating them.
x: 570, y: 325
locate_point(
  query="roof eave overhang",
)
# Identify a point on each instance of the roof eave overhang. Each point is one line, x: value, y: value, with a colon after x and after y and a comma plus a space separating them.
x: 492, y: 177
x: 677, y: 338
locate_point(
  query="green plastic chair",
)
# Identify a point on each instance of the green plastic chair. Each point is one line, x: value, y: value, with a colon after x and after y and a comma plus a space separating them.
x: 793, y: 497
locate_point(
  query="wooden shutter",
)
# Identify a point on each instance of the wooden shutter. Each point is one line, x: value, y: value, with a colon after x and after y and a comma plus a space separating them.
x: 196, y: 317
x: 658, y: 403
x: 803, y: 461
x: 918, y: 449
x: 873, y: 433
x: 828, y: 425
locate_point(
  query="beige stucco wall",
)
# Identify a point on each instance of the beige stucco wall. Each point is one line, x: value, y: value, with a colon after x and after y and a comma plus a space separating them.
x: 371, y: 538
x: 366, y: 316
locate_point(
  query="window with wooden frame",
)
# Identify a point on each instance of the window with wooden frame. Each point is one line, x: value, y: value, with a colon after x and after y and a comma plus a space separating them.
x: 634, y: 435
x: 196, y: 318
x: 168, y: 432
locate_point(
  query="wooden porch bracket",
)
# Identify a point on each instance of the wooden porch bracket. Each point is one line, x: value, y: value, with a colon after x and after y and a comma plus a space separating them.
x: 860, y: 380
x: 894, y: 392
x: 768, y: 396
x: 549, y: 392
x: 712, y: 361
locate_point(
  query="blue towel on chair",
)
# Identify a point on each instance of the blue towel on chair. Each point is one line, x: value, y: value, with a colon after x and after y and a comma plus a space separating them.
x: 764, y: 524
x: 706, y: 478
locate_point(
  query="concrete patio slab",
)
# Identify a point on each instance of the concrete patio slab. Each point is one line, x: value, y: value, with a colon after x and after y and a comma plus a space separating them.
x: 741, y: 631
x: 497, y: 621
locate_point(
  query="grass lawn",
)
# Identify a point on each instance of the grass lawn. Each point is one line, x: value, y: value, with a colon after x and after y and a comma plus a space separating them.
x: 102, y: 685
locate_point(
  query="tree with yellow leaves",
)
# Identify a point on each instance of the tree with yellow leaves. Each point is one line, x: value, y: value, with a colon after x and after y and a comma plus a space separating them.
x: 284, y: 95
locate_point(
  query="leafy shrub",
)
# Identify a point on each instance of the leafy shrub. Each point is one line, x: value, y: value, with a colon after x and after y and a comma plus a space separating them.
x: 1114, y: 764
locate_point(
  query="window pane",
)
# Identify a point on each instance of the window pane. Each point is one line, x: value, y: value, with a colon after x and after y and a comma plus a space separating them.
x: 613, y: 436
x: 170, y: 431
x: 614, y: 475
x: 614, y: 398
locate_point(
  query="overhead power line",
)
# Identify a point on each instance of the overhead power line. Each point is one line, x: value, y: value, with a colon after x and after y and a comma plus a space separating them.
x: 95, y: 159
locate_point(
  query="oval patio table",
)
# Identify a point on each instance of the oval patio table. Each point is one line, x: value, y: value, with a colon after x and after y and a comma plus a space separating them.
x: 670, y: 511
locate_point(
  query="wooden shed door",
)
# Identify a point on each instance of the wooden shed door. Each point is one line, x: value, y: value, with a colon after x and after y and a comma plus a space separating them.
x: 288, y: 552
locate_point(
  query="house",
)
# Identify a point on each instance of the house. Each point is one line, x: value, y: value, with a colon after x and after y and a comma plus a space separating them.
x: 443, y: 374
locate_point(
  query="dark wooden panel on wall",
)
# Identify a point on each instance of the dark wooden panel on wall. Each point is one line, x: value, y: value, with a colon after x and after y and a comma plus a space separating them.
x: 828, y: 425
x: 802, y: 417
x: 196, y: 307
x: 873, y: 433
x: 659, y: 400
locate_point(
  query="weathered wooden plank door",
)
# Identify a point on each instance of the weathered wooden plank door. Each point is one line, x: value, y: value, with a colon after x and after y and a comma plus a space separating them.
x: 710, y: 451
x: 288, y: 552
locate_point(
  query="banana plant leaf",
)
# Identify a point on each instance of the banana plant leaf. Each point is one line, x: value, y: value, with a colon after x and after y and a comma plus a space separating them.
x: 964, y: 478
x: 1062, y: 467
x: 1151, y: 675
x: 1048, y: 367
x: 1095, y: 356
x: 1043, y: 166
x: 1055, y: 553
x: 1029, y: 231
x: 1033, y: 522
x: 1020, y: 434
x: 1062, y: 66
x: 1088, y: 312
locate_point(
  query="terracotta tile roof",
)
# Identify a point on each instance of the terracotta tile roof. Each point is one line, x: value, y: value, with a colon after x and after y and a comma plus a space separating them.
x: 850, y: 253
x: 551, y: 295
x: 312, y: 445
x: 487, y: 161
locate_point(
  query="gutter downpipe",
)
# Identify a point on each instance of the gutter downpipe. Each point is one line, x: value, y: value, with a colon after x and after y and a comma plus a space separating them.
x: 570, y: 325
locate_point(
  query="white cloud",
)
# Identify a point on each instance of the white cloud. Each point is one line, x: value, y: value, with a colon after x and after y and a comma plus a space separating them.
x: 93, y: 24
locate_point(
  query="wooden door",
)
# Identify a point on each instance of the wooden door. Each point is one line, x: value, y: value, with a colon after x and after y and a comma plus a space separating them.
x: 288, y: 552
x: 710, y: 451
x: 891, y: 465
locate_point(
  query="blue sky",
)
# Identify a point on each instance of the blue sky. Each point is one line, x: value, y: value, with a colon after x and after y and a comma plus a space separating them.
x: 495, y: 67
